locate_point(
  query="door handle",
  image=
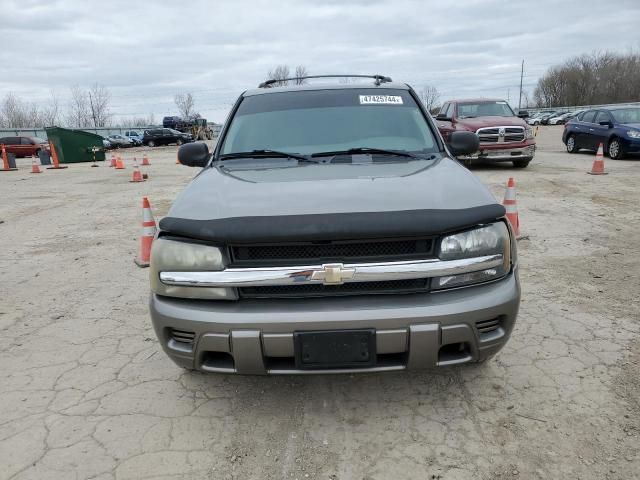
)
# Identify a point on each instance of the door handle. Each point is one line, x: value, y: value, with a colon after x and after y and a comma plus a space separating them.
x: 591, y: 129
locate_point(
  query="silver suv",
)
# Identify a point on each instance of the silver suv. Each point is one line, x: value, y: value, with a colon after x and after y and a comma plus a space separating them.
x: 331, y: 231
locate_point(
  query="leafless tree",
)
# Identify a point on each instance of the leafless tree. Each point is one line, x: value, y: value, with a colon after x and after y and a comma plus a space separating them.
x: 591, y: 79
x: 79, y: 111
x: 99, y: 98
x: 430, y: 97
x: 136, y: 122
x: 185, y: 104
x: 50, y: 114
x: 279, y: 74
x: 301, y: 71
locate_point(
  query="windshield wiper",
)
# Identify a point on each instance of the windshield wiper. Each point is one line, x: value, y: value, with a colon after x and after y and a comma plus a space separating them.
x: 365, y: 150
x: 265, y: 153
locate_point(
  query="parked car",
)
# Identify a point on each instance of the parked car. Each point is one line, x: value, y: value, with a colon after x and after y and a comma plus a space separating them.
x: 106, y: 144
x: 617, y: 128
x: 544, y: 119
x: 173, y: 122
x: 559, y: 119
x: 24, y: 146
x: 119, y: 141
x: 165, y: 136
x: 342, y: 239
x: 537, y: 118
x: 504, y: 137
x: 134, y: 136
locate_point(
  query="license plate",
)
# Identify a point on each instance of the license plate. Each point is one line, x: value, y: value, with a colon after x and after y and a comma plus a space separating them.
x: 335, y: 349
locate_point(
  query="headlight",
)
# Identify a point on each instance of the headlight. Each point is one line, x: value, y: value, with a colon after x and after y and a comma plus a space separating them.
x: 634, y: 133
x: 528, y: 133
x: 487, y: 240
x: 177, y: 256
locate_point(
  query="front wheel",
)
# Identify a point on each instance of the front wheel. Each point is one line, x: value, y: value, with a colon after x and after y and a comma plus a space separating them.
x: 521, y: 163
x: 151, y: 143
x: 571, y: 144
x: 615, y: 149
x: 179, y: 142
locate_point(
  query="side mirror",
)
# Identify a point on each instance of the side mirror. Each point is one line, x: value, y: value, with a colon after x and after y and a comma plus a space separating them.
x: 523, y: 114
x: 443, y: 117
x: 463, y: 143
x: 606, y: 123
x: 194, y: 154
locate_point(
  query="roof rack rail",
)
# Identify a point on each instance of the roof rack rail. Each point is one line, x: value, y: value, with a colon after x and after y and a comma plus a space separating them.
x: 379, y: 79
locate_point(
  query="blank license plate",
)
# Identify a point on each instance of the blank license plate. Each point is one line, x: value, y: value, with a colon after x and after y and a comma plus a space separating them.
x: 335, y: 349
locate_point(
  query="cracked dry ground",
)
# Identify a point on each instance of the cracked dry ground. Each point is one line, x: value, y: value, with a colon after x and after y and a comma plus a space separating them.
x: 85, y: 391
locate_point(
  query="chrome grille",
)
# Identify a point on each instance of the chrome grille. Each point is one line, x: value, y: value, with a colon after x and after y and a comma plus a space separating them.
x: 501, y: 134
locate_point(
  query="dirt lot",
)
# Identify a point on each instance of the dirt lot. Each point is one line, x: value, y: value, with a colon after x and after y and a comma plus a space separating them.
x: 85, y: 391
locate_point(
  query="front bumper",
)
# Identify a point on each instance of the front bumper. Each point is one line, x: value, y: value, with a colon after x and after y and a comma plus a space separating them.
x: 503, y: 154
x: 412, y: 331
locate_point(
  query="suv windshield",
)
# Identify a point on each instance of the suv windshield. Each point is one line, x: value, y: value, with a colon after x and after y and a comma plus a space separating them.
x: 485, y: 109
x: 315, y: 121
x: 626, y: 115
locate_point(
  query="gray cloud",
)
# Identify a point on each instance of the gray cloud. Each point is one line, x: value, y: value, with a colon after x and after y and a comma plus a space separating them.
x: 145, y: 52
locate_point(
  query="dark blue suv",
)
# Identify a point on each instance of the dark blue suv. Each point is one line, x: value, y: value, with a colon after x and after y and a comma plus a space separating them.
x: 617, y: 128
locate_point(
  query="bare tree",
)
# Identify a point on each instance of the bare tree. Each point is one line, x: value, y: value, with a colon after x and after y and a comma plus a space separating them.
x: 301, y: 71
x: 279, y: 74
x: 79, y: 112
x: 136, y: 122
x: 430, y: 97
x: 49, y: 115
x: 185, y: 104
x: 592, y: 79
x: 99, y: 98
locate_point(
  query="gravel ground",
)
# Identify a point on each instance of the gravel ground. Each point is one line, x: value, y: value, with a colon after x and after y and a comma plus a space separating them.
x: 86, y: 392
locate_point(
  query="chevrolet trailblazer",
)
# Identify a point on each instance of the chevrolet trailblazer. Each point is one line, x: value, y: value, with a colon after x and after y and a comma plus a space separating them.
x: 332, y: 231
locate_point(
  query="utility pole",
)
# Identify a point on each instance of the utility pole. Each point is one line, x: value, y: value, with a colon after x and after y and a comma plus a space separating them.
x: 521, y: 75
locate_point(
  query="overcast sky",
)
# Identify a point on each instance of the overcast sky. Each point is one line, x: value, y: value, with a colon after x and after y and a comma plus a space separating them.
x: 146, y: 52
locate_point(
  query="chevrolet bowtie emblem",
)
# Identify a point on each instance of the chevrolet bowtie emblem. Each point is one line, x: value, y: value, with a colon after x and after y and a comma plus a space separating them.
x: 333, y: 274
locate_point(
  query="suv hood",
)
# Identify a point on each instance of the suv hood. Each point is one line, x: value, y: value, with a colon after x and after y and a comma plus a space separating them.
x: 285, y: 200
x: 481, y: 122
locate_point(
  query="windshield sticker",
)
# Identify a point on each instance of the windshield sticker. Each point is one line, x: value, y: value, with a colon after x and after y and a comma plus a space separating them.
x: 380, y: 100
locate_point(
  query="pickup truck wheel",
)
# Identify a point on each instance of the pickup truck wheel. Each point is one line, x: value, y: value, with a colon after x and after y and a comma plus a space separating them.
x: 615, y: 149
x: 571, y: 144
x: 151, y: 143
x: 521, y: 163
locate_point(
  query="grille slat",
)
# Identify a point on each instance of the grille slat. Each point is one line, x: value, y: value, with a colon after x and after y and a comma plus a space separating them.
x: 492, y: 134
x: 319, y: 290
x: 182, y: 336
x: 487, y: 326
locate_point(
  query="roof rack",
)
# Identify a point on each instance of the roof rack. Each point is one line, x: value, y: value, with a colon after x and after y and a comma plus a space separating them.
x: 378, y: 79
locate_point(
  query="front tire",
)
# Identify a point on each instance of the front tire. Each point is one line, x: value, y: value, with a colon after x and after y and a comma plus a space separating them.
x: 572, y: 147
x: 179, y: 142
x: 521, y: 163
x: 151, y: 143
x: 615, y: 149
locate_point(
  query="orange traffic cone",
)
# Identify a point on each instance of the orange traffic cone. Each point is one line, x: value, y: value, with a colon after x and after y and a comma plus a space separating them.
x: 598, y: 164
x: 35, y: 168
x: 137, y: 175
x: 148, y: 233
x: 113, y: 161
x: 6, y: 164
x: 145, y: 160
x: 54, y: 157
x: 119, y: 163
x: 511, y: 206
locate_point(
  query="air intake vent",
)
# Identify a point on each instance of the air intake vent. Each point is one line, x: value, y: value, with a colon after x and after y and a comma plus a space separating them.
x: 182, y: 337
x: 488, y: 326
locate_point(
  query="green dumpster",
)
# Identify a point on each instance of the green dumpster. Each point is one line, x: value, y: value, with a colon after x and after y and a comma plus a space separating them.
x: 73, y: 146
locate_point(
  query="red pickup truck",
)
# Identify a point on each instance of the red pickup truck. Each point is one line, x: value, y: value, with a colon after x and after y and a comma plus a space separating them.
x: 504, y: 136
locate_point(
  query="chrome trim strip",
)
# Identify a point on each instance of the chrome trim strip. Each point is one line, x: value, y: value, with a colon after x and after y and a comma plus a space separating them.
x: 306, y: 275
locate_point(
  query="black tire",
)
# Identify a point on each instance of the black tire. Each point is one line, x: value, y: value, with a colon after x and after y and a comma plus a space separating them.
x: 521, y: 163
x: 151, y: 143
x: 615, y: 149
x: 179, y: 142
x: 572, y: 147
